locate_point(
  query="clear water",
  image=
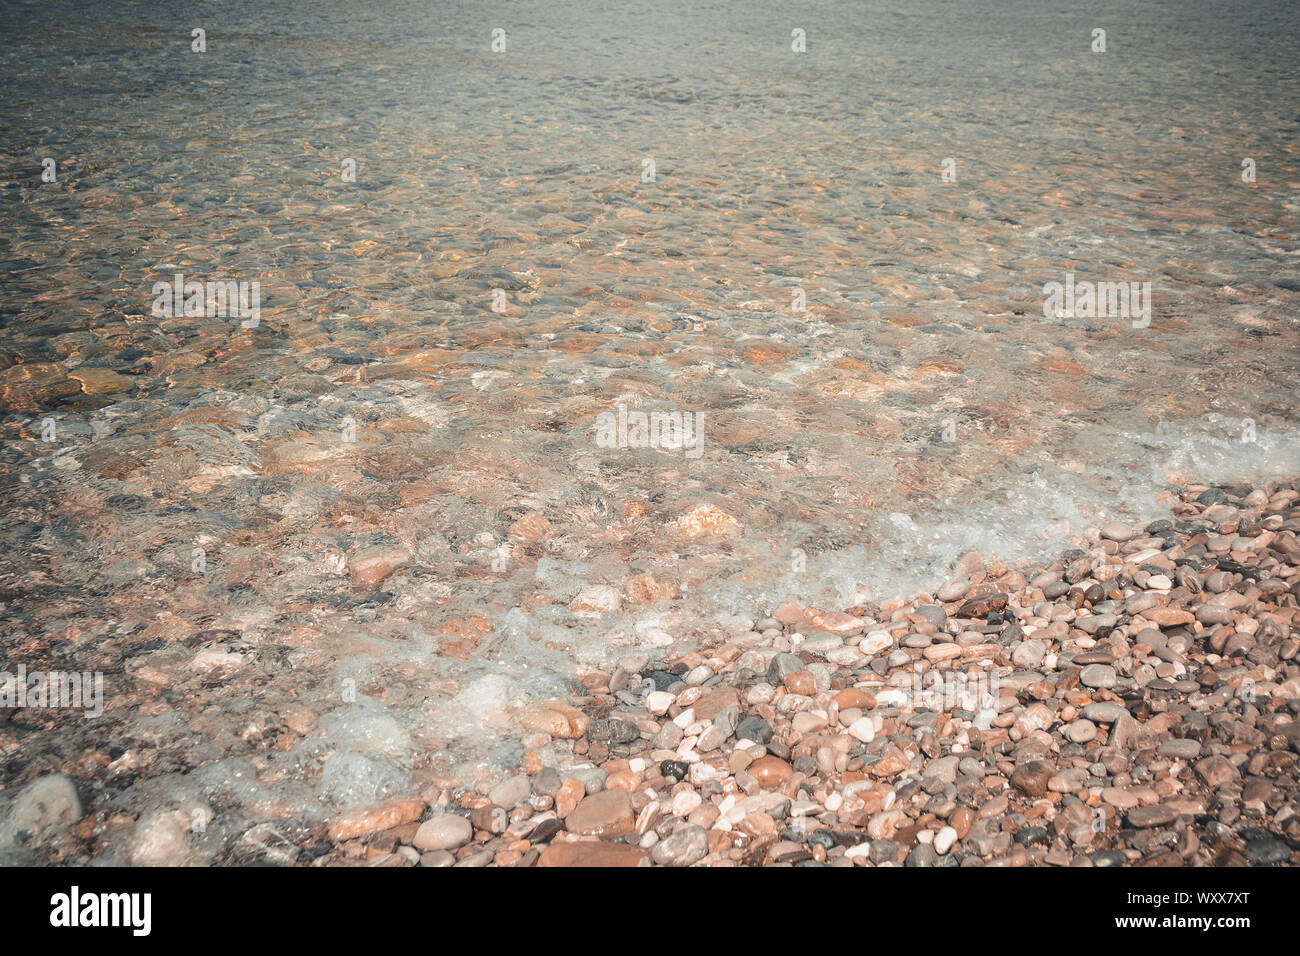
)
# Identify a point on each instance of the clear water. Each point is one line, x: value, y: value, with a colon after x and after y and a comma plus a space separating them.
x: 922, y: 405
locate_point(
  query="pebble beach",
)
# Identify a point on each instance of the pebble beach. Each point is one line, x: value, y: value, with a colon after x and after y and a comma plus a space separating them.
x: 1134, y: 703
x: 599, y: 435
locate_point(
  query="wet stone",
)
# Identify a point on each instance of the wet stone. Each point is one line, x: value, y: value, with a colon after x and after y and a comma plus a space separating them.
x: 446, y: 832
x: 1216, y: 772
x: 1153, y: 816
x: 755, y: 729
x: 595, y: 854
x: 1031, y: 778
x: 1098, y: 675
x: 44, y: 807
x: 922, y: 855
x: 606, y: 814
x: 982, y: 607
x: 1180, y: 749
x: 675, y: 769
x: 612, y: 731
x: 781, y: 667
x: 510, y: 792
x: 1033, y: 836
x: 688, y: 844
x: 1266, y: 851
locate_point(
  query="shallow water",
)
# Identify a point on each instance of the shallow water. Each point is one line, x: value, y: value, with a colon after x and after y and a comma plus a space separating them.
x: 922, y: 406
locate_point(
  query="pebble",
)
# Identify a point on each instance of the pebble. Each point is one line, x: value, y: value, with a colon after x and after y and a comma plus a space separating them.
x: 1263, y: 852
x: 1081, y: 731
x: 160, y: 839
x: 44, y: 807
x: 1155, y: 816
x: 511, y: 792
x: 1098, y: 675
x: 944, y: 840
x: 1031, y: 778
x: 863, y: 729
x: 605, y: 814
x: 770, y: 772
x: 658, y: 702
x: 1117, y: 531
x: 1104, y: 712
x: 594, y: 854
x: 1029, y: 653
x: 688, y: 844
x: 445, y: 832
x: 754, y: 728
x: 783, y: 665
x: 1181, y: 749
x: 1129, y: 726
x: 922, y: 855
x: 1216, y: 772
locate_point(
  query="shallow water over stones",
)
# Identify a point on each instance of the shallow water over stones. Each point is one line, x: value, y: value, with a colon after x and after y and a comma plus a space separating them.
x: 331, y: 557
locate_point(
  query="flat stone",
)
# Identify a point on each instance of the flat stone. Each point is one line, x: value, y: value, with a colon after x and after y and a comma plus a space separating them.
x: 555, y: 717
x: 1104, y: 712
x: 853, y: 698
x: 983, y: 606
x: 1180, y: 749
x: 1265, y: 851
x: 1116, y: 531
x: 593, y: 854
x: 1119, y: 799
x: 612, y: 731
x: 1098, y: 675
x: 369, y: 566
x: 511, y: 792
x: 1169, y: 616
x: 715, y: 700
x: 392, y: 813
x: 44, y: 807
x: 1216, y: 772
x: 445, y: 832
x: 1156, y: 816
x: 687, y: 844
x: 605, y: 814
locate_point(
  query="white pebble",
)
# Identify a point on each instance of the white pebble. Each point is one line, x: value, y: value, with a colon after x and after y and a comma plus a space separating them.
x: 864, y: 729
x: 944, y: 839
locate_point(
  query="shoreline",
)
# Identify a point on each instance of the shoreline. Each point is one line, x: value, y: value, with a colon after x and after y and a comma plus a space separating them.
x: 1133, y: 702
x: 1145, y: 697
